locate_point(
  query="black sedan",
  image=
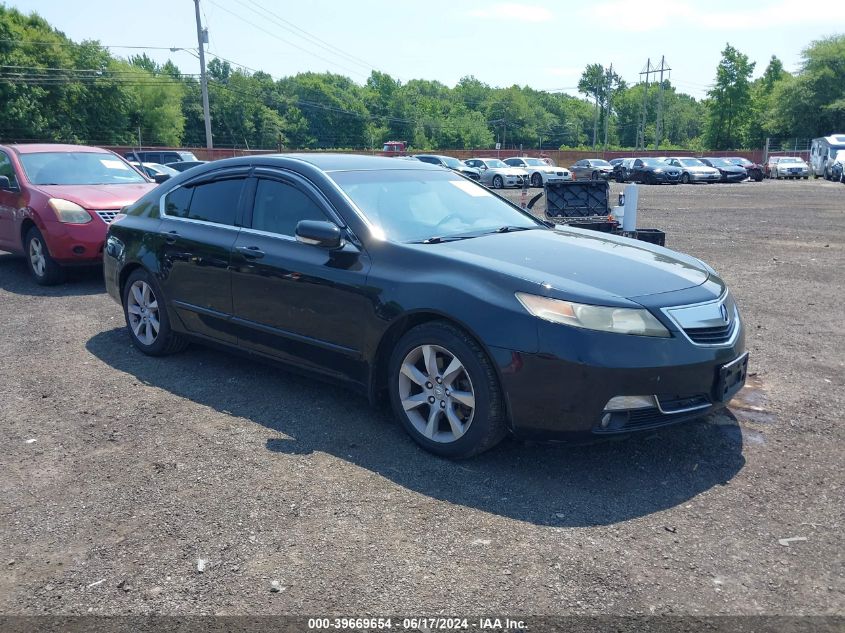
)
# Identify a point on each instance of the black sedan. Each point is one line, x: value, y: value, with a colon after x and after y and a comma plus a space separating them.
x: 651, y: 171
x: 754, y: 170
x: 407, y: 281
x: 730, y: 172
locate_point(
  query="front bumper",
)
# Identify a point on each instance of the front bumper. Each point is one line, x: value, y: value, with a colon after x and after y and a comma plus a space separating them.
x: 562, y: 390
x: 704, y: 177
x: 76, y: 243
x: 734, y: 176
x: 665, y: 176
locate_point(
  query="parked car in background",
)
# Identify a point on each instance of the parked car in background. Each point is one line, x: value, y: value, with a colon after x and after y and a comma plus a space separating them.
x: 825, y: 151
x: 650, y: 171
x: 183, y: 165
x: 539, y: 172
x: 498, y: 174
x: 755, y: 171
x: 621, y: 168
x: 693, y: 170
x: 789, y: 167
x: 409, y: 283
x: 837, y: 170
x: 615, y: 161
x: 162, y: 157
x: 729, y: 171
x: 56, y: 202
x: 591, y: 169
x: 158, y: 173
x: 450, y: 163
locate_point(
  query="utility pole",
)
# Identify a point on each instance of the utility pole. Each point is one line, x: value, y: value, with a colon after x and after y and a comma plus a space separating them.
x: 596, y: 121
x: 202, y: 38
x: 641, y: 131
x: 658, y: 133
x: 609, y: 97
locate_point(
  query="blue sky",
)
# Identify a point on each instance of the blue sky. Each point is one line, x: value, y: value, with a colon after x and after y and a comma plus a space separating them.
x: 545, y: 45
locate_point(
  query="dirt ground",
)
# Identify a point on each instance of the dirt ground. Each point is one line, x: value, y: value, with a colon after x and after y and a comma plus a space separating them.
x: 122, y: 474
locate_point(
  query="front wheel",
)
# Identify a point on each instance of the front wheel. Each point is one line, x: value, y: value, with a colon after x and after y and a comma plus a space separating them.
x: 685, y: 179
x: 620, y: 178
x: 498, y: 183
x: 444, y: 390
x: 536, y: 180
x: 146, y: 316
x: 43, y: 268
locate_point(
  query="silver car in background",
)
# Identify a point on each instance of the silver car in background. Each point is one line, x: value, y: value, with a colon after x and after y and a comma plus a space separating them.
x: 498, y: 174
x: 539, y: 171
x: 592, y: 169
x: 694, y: 170
x: 789, y: 167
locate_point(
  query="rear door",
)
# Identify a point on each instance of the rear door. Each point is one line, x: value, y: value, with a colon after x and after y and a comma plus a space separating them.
x: 200, y: 223
x: 298, y: 302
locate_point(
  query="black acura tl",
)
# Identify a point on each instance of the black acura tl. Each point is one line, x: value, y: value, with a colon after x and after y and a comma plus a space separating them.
x: 405, y: 280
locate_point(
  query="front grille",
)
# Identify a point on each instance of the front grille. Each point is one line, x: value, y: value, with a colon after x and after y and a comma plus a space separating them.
x: 680, y: 404
x: 107, y: 216
x: 711, y: 335
x: 644, y: 419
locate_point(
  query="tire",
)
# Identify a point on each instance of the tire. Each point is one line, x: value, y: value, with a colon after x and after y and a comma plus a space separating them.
x: 498, y: 183
x: 469, y: 430
x: 620, y: 178
x: 649, y: 179
x: 536, y: 180
x: 685, y: 178
x: 594, y: 175
x: 43, y: 268
x: 140, y: 291
x: 758, y: 176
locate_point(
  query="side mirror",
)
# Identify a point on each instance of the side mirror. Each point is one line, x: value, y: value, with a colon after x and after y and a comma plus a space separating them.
x: 5, y: 184
x: 316, y: 233
x: 160, y: 178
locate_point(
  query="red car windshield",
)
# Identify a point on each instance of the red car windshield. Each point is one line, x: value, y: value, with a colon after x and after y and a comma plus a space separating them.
x: 78, y: 168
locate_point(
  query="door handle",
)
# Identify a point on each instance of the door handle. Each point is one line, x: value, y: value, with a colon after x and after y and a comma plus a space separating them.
x: 250, y: 252
x: 171, y: 236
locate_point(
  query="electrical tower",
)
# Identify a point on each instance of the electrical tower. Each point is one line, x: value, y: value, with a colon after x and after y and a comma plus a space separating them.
x: 658, y: 132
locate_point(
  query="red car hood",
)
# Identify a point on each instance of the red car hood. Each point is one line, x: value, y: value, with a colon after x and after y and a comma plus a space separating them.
x: 99, y: 196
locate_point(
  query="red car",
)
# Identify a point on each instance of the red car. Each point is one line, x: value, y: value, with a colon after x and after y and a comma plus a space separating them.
x: 56, y: 202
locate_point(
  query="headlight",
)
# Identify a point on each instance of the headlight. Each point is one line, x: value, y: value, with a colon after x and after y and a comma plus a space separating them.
x: 69, y: 212
x: 602, y: 318
x: 658, y: 171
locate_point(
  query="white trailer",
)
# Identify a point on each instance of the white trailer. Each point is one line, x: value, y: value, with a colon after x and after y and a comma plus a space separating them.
x: 823, y: 153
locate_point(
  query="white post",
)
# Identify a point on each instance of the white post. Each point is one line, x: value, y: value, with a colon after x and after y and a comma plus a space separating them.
x: 629, y: 219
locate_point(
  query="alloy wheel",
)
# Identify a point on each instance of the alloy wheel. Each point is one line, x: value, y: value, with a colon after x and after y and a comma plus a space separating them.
x: 142, y: 308
x: 436, y: 393
x: 36, y: 257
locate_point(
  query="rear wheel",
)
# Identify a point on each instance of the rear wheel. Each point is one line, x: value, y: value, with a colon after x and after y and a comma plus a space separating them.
x: 620, y: 177
x: 146, y: 316
x: 536, y: 180
x: 42, y: 266
x: 498, y: 183
x: 445, y: 392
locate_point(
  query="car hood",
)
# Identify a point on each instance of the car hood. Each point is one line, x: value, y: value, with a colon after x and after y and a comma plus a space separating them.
x: 671, y: 169
x: 98, y: 196
x: 579, y: 264
x: 731, y: 168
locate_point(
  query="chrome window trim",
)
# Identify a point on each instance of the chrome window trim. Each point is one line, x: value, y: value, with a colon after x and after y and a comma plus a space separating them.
x: 667, y: 311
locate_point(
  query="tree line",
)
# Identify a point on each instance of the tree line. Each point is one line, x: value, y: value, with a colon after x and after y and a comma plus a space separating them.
x: 54, y: 89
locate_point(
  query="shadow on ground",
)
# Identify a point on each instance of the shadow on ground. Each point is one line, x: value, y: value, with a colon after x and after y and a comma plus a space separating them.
x: 545, y: 484
x: 82, y: 280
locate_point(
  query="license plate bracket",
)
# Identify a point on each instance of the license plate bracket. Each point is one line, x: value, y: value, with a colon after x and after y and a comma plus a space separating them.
x: 731, y: 378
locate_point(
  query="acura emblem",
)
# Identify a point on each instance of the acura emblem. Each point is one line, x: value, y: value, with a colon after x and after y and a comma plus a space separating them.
x: 724, y: 311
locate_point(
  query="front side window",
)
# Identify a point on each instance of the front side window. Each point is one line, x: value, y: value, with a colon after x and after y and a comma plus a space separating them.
x: 6, y: 169
x: 216, y: 201
x: 78, y: 168
x: 279, y: 207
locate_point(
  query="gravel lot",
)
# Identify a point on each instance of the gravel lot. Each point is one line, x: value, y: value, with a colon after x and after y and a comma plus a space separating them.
x: 122, y: 472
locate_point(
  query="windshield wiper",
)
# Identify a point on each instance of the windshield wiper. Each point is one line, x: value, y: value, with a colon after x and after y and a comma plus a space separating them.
x: 437, y: 239
x: 509, y: 228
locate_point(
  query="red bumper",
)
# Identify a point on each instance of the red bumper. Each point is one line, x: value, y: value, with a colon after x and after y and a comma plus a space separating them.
x: 76, y: 243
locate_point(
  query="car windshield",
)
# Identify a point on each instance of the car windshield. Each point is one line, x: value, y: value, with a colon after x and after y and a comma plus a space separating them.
x: 691, y: 162
x: 743, y: 162
x: 416, y: 205
x: 535, y: 162
x: 494, y: 163
x: 187, y: 156
x: 720, y: 162
x: 599, y: 163
x: 653, y: 162
x: 452, y: 163
x: 78, y: 168
x: 789, y: 159
x: 161, y: 169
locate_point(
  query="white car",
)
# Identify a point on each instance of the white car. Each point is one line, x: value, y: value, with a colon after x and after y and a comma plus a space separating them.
x: 788, y: 167
x: 540, y: 171
x: 497, y: 174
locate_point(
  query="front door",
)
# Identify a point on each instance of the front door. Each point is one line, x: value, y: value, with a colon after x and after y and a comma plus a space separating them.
x: 198, y: 230
x: 298, y: 302
x: 9, y: 202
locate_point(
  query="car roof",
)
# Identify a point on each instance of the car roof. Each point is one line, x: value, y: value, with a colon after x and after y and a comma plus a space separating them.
x: 352, y: 162
x: 33, y: 148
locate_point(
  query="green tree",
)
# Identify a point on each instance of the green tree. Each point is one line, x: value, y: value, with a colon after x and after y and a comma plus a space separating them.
x: 730, y: 97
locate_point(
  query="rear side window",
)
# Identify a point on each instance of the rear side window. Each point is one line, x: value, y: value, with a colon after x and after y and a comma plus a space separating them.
x: 216, y: 201
x: 280, y: 206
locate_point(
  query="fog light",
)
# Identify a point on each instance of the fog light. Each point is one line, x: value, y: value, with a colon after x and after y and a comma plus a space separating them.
x: 623, y: 403
x: 78, y: 250
x: 605, y: 420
